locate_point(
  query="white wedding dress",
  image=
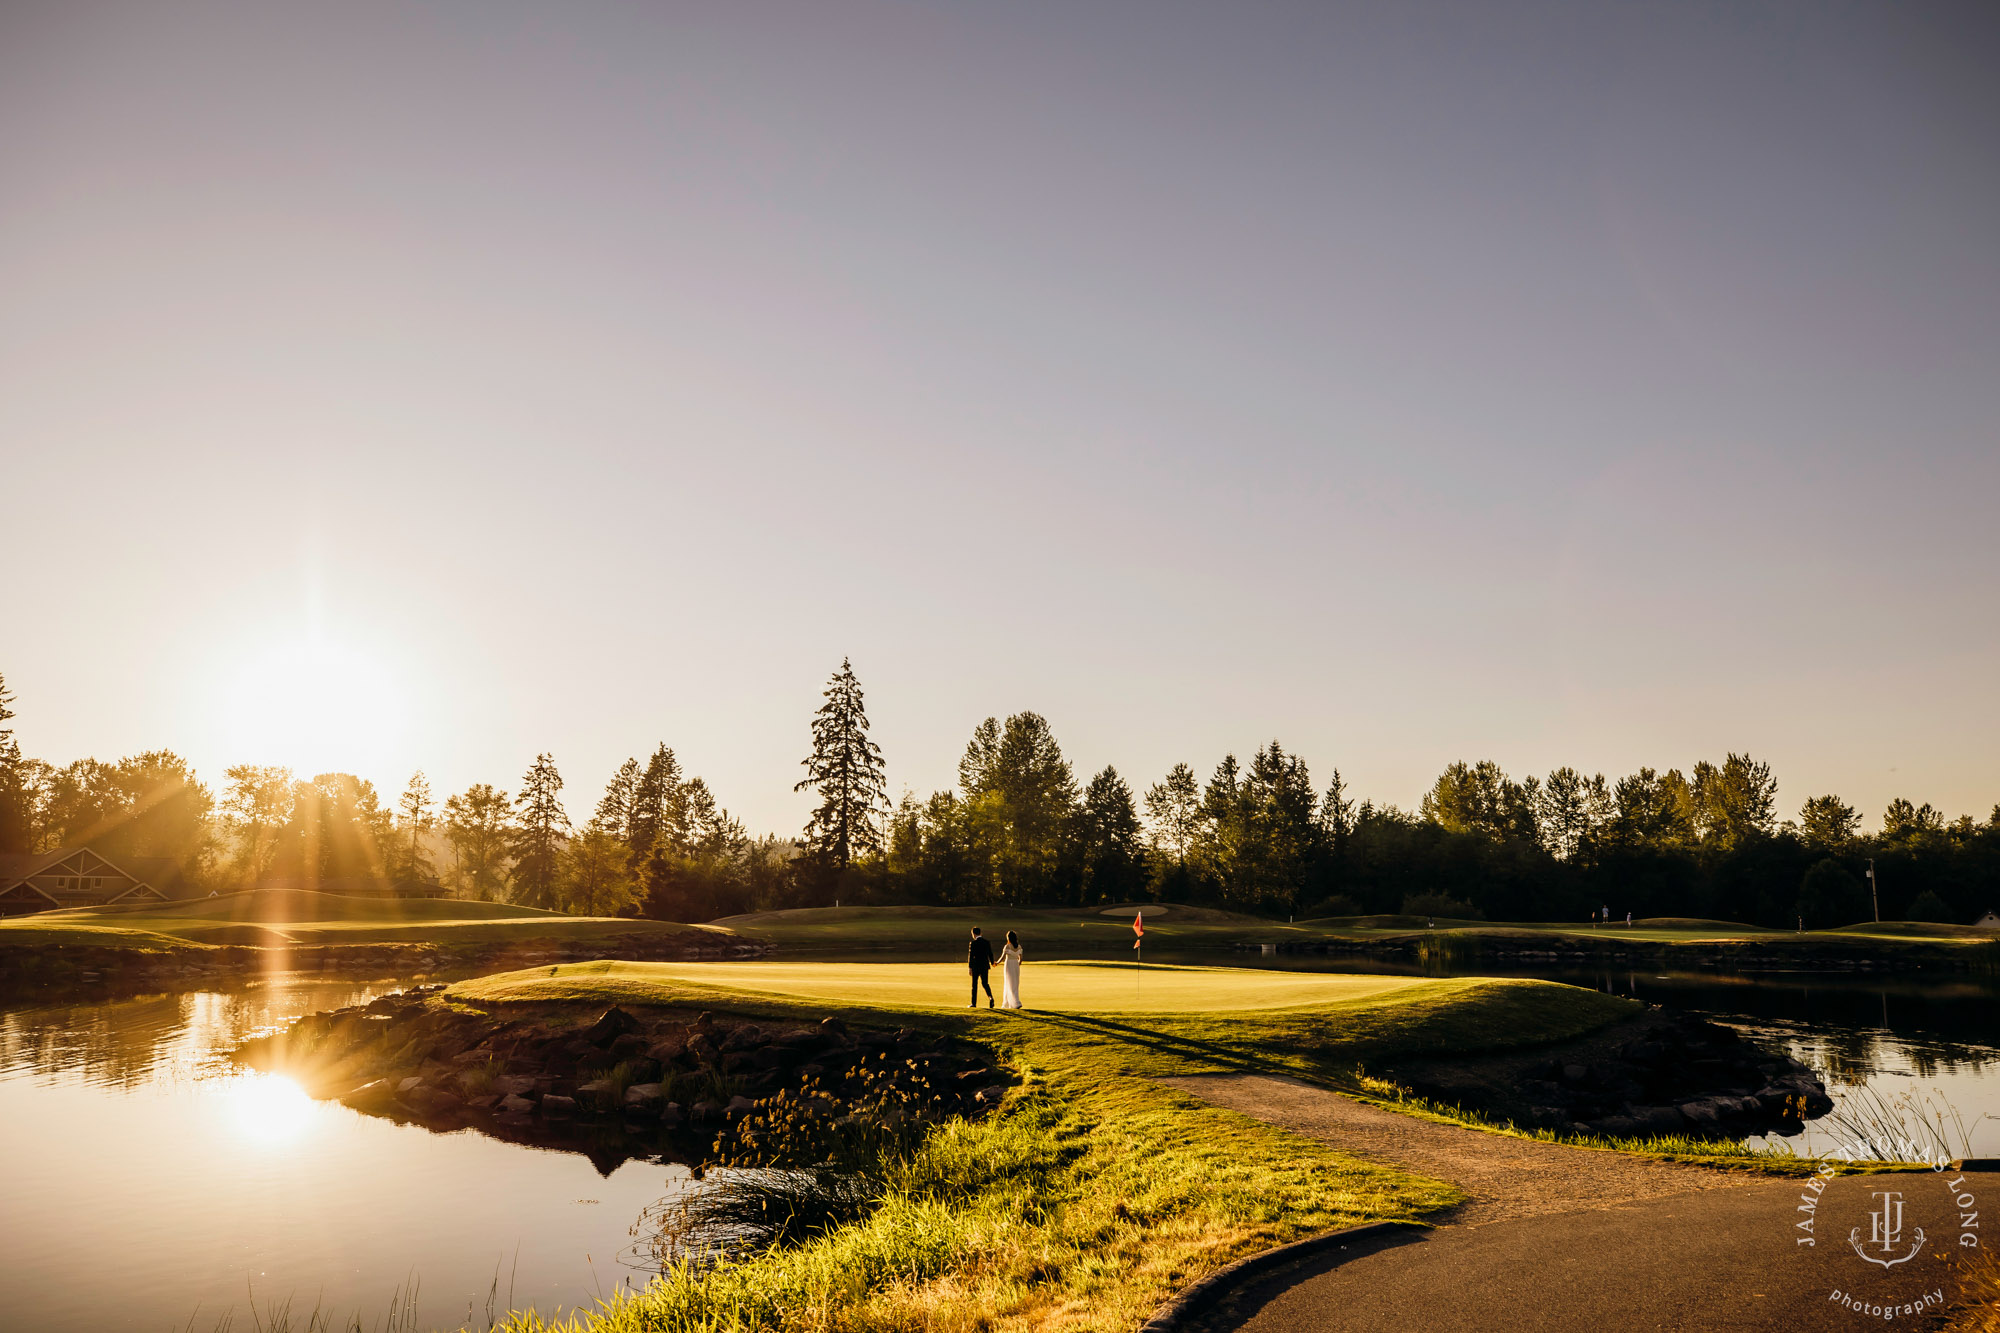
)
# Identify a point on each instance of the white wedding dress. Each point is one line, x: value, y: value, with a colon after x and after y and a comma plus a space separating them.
x: 1010, y: 977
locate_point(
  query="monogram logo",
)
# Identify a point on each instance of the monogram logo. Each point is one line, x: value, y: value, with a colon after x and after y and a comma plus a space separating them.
x: 1885, y: 1233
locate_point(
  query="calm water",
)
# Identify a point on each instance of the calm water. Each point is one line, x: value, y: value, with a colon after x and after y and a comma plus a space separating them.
x: 1909, y: 1045
x: 150, y: 1184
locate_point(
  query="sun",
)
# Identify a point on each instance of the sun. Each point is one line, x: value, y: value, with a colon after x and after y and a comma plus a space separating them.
x: 314, y: 705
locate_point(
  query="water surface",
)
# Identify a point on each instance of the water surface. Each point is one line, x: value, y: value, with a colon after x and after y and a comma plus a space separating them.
x: 151, y: 1184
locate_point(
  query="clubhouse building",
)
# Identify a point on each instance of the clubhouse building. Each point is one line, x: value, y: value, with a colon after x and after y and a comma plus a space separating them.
x: 82, y: 877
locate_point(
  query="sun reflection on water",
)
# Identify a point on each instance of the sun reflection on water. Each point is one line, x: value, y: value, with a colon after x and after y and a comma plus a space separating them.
x: 268, y: 1109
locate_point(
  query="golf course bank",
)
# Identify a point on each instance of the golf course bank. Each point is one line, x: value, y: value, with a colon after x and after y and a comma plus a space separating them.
x: 157, y: 946
x: 1051, y: 1180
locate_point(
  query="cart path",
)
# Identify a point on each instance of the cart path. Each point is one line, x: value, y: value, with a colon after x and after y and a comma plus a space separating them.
x: 1506, y: 1177
x: 1569, y: 1240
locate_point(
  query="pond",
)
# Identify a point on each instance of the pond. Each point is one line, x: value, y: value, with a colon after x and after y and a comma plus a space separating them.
x: 152, y: 1184
x: 1887, y: 1047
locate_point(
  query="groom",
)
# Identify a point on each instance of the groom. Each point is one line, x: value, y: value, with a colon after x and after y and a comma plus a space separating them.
x: 979, y: 961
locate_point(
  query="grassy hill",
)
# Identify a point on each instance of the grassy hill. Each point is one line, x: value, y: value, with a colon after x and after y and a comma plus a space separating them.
x: 278, y: 918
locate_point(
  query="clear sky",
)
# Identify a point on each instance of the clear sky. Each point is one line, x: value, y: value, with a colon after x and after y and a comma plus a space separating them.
x: 386, y: 386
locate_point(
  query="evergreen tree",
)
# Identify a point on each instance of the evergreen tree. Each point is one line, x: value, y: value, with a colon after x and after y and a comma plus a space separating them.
x: 845, y: 769
x: 1114, y: 864
x: 657, y: 814
x: 614, y: 808
x: 417, y: 821
x: 17, y: 822
x: 542, y: 829
x: 1280, y: 847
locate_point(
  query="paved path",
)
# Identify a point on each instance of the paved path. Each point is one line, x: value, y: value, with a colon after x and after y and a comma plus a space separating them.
x: 1557, y: 1239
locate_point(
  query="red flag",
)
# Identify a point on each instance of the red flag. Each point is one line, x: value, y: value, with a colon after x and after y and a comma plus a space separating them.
x: 1139, y: 928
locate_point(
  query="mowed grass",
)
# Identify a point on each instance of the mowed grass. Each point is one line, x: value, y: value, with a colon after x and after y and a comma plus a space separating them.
x: 1061, y: 932
x: 1050, y: 932
x: 1095, y: 1193
x: 281, y: 918
x: 1065, y: 986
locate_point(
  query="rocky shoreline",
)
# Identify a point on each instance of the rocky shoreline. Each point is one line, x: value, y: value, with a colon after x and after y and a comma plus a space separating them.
x: 1658, y: 1073
x: 643, y: 1082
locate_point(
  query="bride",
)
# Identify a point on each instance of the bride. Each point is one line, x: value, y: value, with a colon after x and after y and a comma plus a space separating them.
x: 1010, y: 972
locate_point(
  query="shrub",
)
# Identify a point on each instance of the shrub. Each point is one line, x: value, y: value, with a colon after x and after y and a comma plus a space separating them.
x: 1438, y: 904
x: 1930, y: 907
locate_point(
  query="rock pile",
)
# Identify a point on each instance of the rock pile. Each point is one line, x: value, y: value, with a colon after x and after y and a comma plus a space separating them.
x: 664, y: 1072
x: 1661, y: 1073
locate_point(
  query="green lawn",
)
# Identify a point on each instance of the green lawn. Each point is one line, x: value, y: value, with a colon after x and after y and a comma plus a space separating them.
x: 1064, y: 986
x: 281, y: 918
x: 1095, y: 1193
x: 1061, y: 932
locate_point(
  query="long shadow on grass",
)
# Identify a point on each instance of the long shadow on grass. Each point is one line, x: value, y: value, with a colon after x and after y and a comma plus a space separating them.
x: 1187, y: 1048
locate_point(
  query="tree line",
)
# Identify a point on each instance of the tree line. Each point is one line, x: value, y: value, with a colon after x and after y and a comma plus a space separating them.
x: 1019, y: 828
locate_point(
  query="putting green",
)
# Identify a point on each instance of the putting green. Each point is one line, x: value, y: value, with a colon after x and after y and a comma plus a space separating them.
x: 1079, y: 986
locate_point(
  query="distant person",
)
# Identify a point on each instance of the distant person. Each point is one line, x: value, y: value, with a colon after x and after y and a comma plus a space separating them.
x: 1628, y: 921
x: 979, y: 962
x: 1010, y: 972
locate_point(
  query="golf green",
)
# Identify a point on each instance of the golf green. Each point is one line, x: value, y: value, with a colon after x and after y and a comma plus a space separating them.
x: 1074, y: 986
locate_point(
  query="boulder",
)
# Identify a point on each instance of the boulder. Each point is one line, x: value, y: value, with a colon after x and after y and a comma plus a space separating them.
x: 557, y: 1107
x: 369, y: 1094
x: 989, y: 1096
x: 671, y: 1115
x: 1656, y: 1119
x: 745, y: 1038
x: 704, y: 1112
x: 516, y: 1084
x: 644, y: 1097
x: 595, y: 1094
x: 406, y: 1086
x: 612, y: 1024
x: 515, y: 1105
x: 630, y: 1046
x: 739, y: 1106
x: 668, y: 1050
x: 1701, y: 1114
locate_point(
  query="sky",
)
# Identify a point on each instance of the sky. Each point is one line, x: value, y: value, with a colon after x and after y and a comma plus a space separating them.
x: 393, y: 386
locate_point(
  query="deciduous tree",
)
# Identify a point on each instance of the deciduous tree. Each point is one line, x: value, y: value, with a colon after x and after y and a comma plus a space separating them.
x: 479, y: 825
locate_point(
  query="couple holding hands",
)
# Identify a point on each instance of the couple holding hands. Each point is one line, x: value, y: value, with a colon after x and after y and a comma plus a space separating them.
x: 979, y: 961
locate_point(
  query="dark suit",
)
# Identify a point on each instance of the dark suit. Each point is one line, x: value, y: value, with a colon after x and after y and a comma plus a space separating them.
x: 979, y: 961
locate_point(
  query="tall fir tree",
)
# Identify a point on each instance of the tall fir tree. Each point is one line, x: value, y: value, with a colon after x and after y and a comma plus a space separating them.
x: 845, y: 769
x: 418, y: 818
x: 655, y: 817
x: 17, y: 824
x: 543, y: 829
x: 614, y: 808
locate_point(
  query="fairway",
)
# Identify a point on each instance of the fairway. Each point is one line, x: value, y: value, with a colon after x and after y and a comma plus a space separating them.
x: 1061, y: 986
